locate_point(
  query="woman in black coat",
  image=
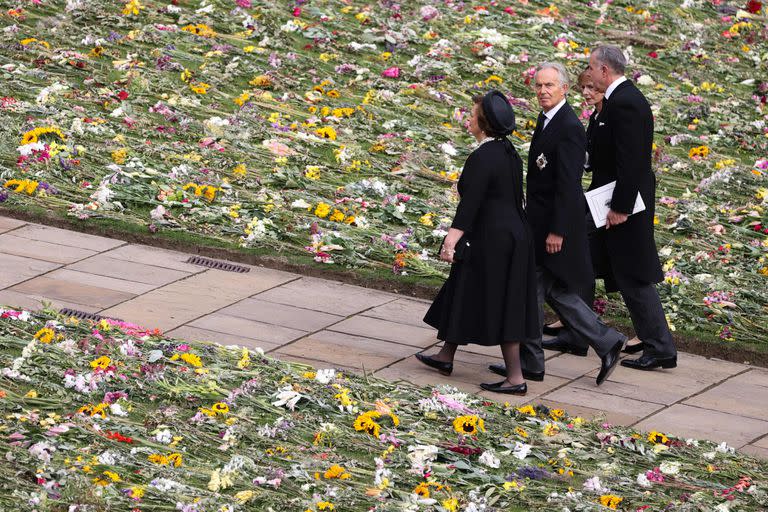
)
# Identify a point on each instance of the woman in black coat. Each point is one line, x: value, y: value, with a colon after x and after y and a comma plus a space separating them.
x: 490, y: 295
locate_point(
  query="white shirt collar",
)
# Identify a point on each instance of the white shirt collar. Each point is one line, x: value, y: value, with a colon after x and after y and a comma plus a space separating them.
x: 551, y: 113
x: 614, y: 85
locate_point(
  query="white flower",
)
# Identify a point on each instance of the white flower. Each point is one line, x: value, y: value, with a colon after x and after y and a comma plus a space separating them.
x: 646, y: 80
x: 108, y: 458
x: 42, y: 451
x: 541, y: 161
x: 325, y: 376
x: 448, y: 149
x: 300, y: 203
x: 117, y: 410
x: 670, y: 468
x: 287, y: 397
x: 594, y: 485
x: 724, y: 448
x: 521, y: 450
x: 164, y: 436
x: 643, y: 481
x: 158, y: 214
x: 489, y: 459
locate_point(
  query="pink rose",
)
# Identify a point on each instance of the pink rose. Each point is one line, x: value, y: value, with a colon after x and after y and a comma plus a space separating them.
x: 393, y: 72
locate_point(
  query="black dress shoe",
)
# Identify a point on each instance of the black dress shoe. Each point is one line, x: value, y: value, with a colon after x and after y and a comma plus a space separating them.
x: 500, y: 387
x: 609, y: 361
x: 441, y: 366
x: 500, y: 369
x: 561, y: 346
x: 634, y: 349
x: 650, y: 363
x: 552, y: 331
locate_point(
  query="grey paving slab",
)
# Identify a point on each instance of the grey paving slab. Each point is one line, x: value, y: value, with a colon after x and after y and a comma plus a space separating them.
x: 693, y: 374
x: 35, y: 302
x: 46, y: 251
x: 386, y: 330
x: 402, y: 311
x: 572, y: 367
x: 65, y: 237
x: 274, y: 334
x: 599, y: 398
x: 103, y: 265
x: 16, y: 269
x: 755, y: 451
x: 189, y: 333
x: 8, y: 224
x: 319, y: 365
x: 327, y: 296
x: 762, y: 442
x: 68, y: 291
x: 155, y: 256
x: 347, y: 350
x: 112, y: 283
x: 688, y: 421
x: 745, y: 395
x: 281, y: 314
x: 183, y: 301
x: 613, y: 417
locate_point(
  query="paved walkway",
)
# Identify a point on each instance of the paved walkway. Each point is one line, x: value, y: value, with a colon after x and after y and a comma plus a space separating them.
x: 330, y: 324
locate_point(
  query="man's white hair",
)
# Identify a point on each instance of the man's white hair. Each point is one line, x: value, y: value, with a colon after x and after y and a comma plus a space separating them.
x: 565, y: 80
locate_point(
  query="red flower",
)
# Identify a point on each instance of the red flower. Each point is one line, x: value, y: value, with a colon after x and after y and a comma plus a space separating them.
x: 123, y: 95
x: 753, y: 6
x: 117, y: 436
x: 653, y: 55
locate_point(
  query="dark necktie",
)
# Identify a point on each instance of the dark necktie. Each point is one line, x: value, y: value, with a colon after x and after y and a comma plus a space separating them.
x: 539, y: 124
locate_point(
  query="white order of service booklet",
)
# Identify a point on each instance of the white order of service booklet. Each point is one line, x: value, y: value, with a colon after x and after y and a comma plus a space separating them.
x: 599, y: 202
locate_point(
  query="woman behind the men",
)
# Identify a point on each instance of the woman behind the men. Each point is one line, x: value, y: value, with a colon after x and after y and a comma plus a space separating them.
x: 490, y: 295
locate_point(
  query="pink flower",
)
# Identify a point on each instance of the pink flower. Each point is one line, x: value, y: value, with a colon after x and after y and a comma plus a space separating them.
x: 393, y: 72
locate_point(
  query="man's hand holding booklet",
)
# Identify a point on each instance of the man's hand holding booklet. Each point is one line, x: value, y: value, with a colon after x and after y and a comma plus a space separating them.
x: 599, y: 202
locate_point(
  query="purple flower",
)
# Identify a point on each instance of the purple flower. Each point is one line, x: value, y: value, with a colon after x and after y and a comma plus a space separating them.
x: 3, y: 195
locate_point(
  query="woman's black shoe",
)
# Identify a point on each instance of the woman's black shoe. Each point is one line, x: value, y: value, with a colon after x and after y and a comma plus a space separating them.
x: 552, y: 331
x: 441, y: 366
x: 634, y: 349
x: 499, y: 387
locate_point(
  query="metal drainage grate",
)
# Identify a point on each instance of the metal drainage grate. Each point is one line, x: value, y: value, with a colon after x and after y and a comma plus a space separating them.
x: 82, y: 315
x: 218, y: 264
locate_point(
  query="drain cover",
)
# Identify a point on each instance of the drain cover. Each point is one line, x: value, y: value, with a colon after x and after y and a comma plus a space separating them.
x: 83, y: 315
x: 217, y: 264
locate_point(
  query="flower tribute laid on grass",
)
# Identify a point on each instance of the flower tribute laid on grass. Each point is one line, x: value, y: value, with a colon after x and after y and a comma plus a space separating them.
x: 111, y: 416
x: 333, y: 131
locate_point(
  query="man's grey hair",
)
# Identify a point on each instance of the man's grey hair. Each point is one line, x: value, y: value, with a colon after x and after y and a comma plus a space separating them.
x: 611, y: 56
x: 565, y: 80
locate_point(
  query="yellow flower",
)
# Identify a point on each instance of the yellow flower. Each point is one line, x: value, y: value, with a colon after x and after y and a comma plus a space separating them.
x: 426, y: 219
x: 527, y: 409
x: 186, y: 75
x: 261, y: 81
x: 31, y: 394
x: 325, y: 505
x: 200, y: 87
x: 521, y: 432
x: 326, y: 132
x: 657, y: 437
x: 610, y: 501
x: 33, y: 135
x: 333, y: 93
x: 136, y: 492
x: 322, y: 210
x: 336, y: 216
x: 119, y: 156
x: 698, y: 152
x: 244, y: 496
x: 550, y: 429
x: 451, y: 504
x: 365, y: 423
x: 112, y: 476
x: 191, y: 359
x: 468, y: 425
x: 422, y: 490
x: 132, y: 8
x: 175, y: 459
x: 220, y: 408
x: 102, y: 363
x: 240, y: 100
x: 45, y: 335
x: 312, y: 172
x: 556, y: 414
x: 494, y: 79
x: 336, y: 471
x: 201, y: 29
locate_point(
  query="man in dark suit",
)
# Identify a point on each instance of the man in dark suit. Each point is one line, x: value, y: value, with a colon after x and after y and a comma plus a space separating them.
x: 624, y: 253
x: 555, y: 211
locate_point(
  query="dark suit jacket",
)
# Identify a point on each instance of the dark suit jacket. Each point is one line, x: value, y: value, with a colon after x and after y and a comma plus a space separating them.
x: 622, y: 151
x: 555, y: 198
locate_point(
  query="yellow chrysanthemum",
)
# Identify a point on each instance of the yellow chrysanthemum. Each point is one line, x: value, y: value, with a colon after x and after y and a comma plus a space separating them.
x: 336, y: 471
x: 322, y: 210
x: 102, y: 363
x: 610, y: 501
x: 191, y: 359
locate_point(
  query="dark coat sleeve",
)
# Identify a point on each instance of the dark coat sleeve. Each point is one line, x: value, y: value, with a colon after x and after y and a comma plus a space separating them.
x: 571, y: 152
x: 473, y: 187
x: 630, y: 154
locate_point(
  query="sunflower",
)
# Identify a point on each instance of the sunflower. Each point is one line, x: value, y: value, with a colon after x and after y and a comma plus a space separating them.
x: 468, y: 425
x: 220, y: 408
x: 657, y: 438
x: 45, y: 335
x: 610, y: 501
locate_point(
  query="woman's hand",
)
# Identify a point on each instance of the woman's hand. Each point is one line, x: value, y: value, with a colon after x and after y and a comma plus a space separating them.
x: 449, y: 244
